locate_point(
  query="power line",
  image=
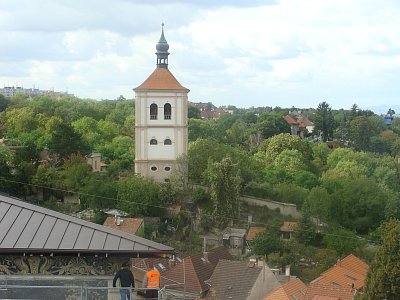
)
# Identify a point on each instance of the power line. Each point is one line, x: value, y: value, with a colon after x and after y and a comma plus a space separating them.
x: 156, y: 206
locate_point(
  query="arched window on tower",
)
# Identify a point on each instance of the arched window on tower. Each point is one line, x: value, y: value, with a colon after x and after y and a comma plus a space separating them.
x: 153, y: 111
x: 167, y: 111
x: 153, y: 142
x: 167, y: 142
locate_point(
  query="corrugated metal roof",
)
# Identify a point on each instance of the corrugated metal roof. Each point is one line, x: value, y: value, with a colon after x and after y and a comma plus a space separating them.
x: 25, y: 227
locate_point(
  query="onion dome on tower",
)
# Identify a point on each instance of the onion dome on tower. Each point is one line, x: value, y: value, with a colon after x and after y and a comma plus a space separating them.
x: 162, y: 51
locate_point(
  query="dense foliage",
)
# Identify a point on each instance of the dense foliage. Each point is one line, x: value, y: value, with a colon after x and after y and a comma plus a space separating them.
x: 353, y: 185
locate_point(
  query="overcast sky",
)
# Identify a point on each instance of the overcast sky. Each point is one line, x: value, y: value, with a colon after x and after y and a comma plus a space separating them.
x: 244, y: 53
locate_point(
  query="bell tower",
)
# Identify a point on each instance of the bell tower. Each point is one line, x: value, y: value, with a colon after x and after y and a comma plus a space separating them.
x: 161, y: 120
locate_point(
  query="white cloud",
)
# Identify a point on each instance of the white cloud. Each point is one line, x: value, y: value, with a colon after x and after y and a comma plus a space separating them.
x: 243, y: 53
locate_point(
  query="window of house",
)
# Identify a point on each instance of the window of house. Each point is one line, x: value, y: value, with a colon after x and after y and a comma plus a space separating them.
x: 153, y: 111
x: 167, y: 169
x: 167, y: 142
x: 153, y: 168
x: 167, y: 111
x: 153, y: 142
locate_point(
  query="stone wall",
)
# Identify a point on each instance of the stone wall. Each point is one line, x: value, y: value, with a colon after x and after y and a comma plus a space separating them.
x: 286, y: 209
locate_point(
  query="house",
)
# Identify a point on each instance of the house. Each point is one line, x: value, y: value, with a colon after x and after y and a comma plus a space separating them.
x: 94, y: 160
x: 212, y: 114
x: 240, y: 280
x: 39, y: 246
x: 233, y: 238
x: 349, y: 272
x: 253, y: 231
x: 133, y: 226
x: 189, y: 277
x: 287, y: 230
x: 306, y: 123
x: 292, y: 290
x: 294, y: 125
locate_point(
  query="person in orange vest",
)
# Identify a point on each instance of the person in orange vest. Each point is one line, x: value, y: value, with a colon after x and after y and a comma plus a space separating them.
x: 151, y: 281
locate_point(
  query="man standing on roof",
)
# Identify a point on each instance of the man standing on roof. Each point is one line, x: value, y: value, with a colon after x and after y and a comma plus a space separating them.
x: 151, y: 282
x: 126, y: 279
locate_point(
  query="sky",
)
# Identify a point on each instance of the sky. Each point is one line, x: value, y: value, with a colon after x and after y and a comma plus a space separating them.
x: 246, y: 53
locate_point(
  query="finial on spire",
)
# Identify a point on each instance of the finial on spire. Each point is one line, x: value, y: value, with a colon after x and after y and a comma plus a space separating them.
x: 162, y: 50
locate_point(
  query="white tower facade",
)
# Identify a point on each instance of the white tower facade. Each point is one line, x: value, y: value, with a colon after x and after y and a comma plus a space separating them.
x: 161, y: 120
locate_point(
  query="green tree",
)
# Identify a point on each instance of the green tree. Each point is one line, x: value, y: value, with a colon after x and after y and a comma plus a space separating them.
x: 324, y: 121
x: 139, y: 196
x: 383, y: 277
x: 266, y: 243
x: 193, y: 112
x: 361, y: 131
x: 278, y: 143
x: 305, y: 231
x: 343, y: 241
x: 4, y: 103
x: 224, y: 188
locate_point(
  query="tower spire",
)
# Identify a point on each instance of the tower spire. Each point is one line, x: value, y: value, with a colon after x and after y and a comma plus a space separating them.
x: 162, y: 50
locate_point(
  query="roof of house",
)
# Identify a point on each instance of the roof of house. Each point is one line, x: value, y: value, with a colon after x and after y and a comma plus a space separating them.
x: 355, y: 264
x: 253, y: 231
x: 329, y: 292
x: 304, y: 121
x: 288, y: 226
x: 161, y: 79
x: 290, y: 120
x: 233, y: 279
x: 212, y: 114
x: 28, y: 228
x: 128, y: 225
x: 294, y: 287
x: 351, y: 271
x: 195, y: 270
x: 162, y: 264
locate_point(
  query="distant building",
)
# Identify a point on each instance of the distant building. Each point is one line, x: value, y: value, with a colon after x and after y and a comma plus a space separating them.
x: 209, y: 111
x: 161, y: 120
x: 94, y: 160
x: 9, y: 91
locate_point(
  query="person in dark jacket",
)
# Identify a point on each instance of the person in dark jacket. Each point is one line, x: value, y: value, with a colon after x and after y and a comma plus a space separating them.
x: 126, y: 279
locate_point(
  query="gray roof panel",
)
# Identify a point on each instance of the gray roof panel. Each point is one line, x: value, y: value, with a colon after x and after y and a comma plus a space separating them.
x: 19, y: 225
x: 70, y: 236
x: 112, y: 242
x: 98, y: 240
x: 30, y: 230
x: 3, y: 209
x: 25, y: 227
x: 8, y: 220
x: 43, y: 232
x: 84, y: 238
x: 56, y: 234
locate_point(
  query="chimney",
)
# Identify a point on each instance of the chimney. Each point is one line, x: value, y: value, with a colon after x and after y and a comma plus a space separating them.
x: 118, y: 221
x: 287, y: 273
x: 205, y: 255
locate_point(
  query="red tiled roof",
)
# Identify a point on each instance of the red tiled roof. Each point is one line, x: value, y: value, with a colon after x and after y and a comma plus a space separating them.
x: 253, y: 231
x: 294, y: 287
x: 161, y: 79
x: 329, y: 292
x: 290, y: 120
x: 355, y: 264
x: 129, y: 225
x: 195, y: 270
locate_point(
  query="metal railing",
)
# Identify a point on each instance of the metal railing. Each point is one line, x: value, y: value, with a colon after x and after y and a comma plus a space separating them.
x: 72, y: 292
